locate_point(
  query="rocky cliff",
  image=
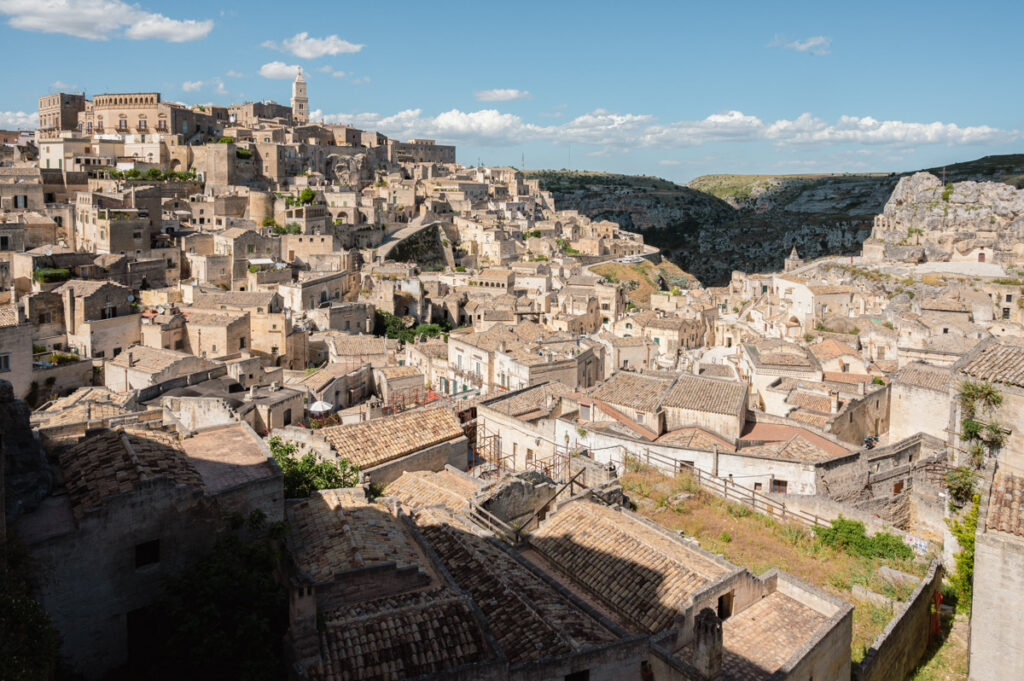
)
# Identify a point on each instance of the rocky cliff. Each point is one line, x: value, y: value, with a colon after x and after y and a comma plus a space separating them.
x: 719, y: 223
x: 925, y: 219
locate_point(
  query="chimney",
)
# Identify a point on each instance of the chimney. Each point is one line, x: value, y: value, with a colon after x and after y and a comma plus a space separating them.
x: 131, y: 359
x: 275, y: 386
x: 833, y: 401
x: 252, y: 393
x: 707, y: 638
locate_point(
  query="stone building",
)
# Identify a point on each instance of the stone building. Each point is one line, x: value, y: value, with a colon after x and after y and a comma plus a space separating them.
x: 137, y: 507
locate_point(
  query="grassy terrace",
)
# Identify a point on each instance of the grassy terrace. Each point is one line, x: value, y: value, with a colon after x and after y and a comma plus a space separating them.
x: 760, y: 543
x: 645, y: 274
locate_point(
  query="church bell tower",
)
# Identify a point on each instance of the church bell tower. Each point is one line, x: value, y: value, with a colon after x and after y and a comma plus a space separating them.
x: 300, y: 102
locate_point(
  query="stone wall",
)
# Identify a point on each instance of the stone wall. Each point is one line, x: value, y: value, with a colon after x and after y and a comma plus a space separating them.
x: 451, y: 453
x: 995, y: 647
x: 899, y: 648
x: 66, y: 377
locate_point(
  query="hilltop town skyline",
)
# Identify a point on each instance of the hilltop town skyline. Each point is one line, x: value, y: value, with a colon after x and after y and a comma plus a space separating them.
x: 780, y: 90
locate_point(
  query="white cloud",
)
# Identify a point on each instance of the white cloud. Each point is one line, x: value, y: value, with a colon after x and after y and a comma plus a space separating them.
x: 18, y: 120
x: 196, y: 85
x: 361, y: 80
x: 61, y: 86
x: 329, y: 70
x: 500, y: 95
x: 669, y: 162
x: 817, y: 45
x: 301, y: 45
x: 173, y: 31
x: 100, y: 20
x: 233, y: 74
x: 489, y: 127
x: 279, y: 70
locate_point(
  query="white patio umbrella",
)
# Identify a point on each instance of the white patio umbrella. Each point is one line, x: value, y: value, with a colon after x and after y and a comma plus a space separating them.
x: 320, y: 407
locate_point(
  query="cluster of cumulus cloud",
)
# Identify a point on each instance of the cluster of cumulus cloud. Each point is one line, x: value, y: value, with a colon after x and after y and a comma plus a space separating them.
x: 489, y: 127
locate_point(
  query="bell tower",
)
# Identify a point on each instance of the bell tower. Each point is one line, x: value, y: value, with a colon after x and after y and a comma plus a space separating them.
x: 300, y: 102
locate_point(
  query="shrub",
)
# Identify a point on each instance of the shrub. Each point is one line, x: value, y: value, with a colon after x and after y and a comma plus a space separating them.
x: 269, y: 222
x: 947, y: 192
x: 305, y: 475
x: 725, y: 536
x: 877, y: 380
x: 849, y: 536
x: 307, y: 196
x: 225, y: 140
x: 962, y: 579
x: 960, y: 483
x: 243, y: 153
x: 46, y: 275
x: 154, y: 174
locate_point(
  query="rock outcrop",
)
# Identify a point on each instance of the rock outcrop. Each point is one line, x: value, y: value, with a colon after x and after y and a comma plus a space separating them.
x: 925, y: 220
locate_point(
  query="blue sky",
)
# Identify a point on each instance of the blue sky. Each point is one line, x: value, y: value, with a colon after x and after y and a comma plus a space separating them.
x: 674, y: 89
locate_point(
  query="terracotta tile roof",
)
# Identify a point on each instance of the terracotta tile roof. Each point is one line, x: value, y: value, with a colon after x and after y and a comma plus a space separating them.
x: 531, y: 400
x: 717, y: 371
x: 813, y: 418
x: 400, y: 638
x: 797, y: 448
x: 997, y: 361
x: 1006, y: 505
x: 8, y: 316
x: 925, y: 376
x: 758, y: 641
x: 372, y: 443
x: 848, y: 378
x: 783, y: 433
x: 636, y: 570
x: 830, y: 349
x: 698, y: 393
x: 696, y: 438
x: 154, y: 360
x: 346, y: 345
x: 636, y: 391
x: 115, y: 462
x: 86, y: 404
x: 337, y: 529
x: 530, y: 618
x: 416, y: 489
x: 810, y: 400
x: 399, y: 372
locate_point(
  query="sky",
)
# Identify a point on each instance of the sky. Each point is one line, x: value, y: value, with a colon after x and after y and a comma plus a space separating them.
x: 673, y: 89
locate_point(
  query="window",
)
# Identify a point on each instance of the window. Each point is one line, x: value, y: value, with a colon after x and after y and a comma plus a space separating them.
x: 5, y: 361
x: 98, y: 354
x: 897, y: 488
x: 585, y: 412
x: 251, y: 248
x: 117, y: 351
x: 178, y: 344
x: 241, y: 344
x: 5, y: 243
x: 757, y: 487
x: 147, y: 553
x: 1006, y: 313
x: 214, y: 347
x: 287, y: 417
x: 578, y: 676
x: 45, y: 317
x: 779, y: 486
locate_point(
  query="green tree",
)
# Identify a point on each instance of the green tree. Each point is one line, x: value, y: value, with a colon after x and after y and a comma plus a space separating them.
x: 225, y: 140
x: 269, y: 222
x: 307, y: 196
x: 305, y: 475
x: 133, y: 174
x: 293, y: 228
x: 154, y: 174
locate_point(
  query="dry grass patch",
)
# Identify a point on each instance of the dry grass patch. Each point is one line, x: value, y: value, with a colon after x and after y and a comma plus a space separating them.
x: 759, y: 543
